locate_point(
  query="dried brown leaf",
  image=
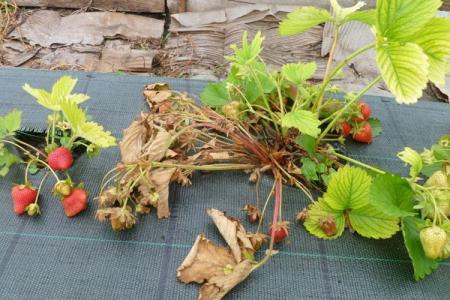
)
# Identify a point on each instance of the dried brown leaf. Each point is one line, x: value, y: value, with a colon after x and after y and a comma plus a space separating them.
x: 161, y: 180
x: 223, y: 155
x: 204, y: 261
x: 228, y: 231
x: 218, y: 286
x: 156, y: 148
x: 156, y: 93
x: 134, y: 139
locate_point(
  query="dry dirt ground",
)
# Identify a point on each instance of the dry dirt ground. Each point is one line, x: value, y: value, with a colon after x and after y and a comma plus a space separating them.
x: 171, y: 38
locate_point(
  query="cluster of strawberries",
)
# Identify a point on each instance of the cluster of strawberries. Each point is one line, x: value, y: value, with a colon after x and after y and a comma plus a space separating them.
x: 73, y: 199
x: 357, y: 123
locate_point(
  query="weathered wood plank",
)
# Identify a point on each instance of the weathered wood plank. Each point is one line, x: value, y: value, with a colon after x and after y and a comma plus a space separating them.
x: 154, y: 6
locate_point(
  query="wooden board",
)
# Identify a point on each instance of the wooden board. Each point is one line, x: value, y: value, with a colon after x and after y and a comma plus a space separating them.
x: 445, y: 5
x: 154, y: 6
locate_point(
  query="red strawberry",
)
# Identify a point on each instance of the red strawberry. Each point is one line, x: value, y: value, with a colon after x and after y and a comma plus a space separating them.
x: 364, y: 135
x: 60, y: 159
x: 75, y: 203
x: 346, y: 128
x: 365, y: 110
x: 22, y: 195
x: 281, y: 231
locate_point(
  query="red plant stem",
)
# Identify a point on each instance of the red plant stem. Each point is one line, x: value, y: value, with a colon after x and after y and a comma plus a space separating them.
x: 276, y: 211
x: 247, y: 144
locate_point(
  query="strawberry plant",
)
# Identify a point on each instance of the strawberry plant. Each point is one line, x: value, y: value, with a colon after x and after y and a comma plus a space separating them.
x: 280, y: 122
x: 69, y: 133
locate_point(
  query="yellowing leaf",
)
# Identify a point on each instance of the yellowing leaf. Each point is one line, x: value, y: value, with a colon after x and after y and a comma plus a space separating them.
x: 404, y: 68
x: 372, y: 223
x: 412, y: 158
x: 303, y: 19
x: 348, y: 188
x: 74, y: 115
x: 434, y: 39
x: 61, y: 91
x: 399, y: 19
x: 319, y: 210
x: 90, y: 131
x: 298, y: 73
x: 63, y: 87
x: 305, y: 121
x: 10, y: 123
x: 96, y: 134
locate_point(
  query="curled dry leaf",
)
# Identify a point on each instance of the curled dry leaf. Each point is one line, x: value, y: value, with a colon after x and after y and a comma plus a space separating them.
x: 214, y: 266
x: 156, y: 147
x: 161, y: 180
x: 134, y: 139
x: 204, y: 261
x: 156, y: 93
x: 218, y: 286
x: 233, y: 233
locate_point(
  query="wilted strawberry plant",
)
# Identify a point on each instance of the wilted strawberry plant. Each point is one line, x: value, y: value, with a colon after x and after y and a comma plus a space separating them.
x: 280, y: 122
x: 68, y: 135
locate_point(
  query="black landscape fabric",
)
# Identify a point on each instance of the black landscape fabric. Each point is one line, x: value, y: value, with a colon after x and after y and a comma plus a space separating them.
x: 53, y: 257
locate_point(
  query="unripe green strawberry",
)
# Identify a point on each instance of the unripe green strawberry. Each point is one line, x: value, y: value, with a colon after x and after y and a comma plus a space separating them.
x: 33, y: 209
x: 439, y: 179
x: 63, y: 188
x: 433, y: 239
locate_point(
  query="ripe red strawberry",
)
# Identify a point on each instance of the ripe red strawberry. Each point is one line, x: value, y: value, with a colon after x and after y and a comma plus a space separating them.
x: 281, y: 231
x: 22, y: 195
x: 346, y: 128
x: 60, y: 159
x: 75, y: 203
x: 365, y: 111
x: 364, y: 135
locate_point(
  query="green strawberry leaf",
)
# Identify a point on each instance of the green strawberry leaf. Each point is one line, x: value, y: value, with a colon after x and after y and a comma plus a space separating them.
x: 428, y: 170
x: 412, y: 158
x: 368, y: 17
x: 434, y: 39
x: 248, y: 52
x: 303, y: 19
x: 392, y: 195
x: 404, y: 68
x: 298, y: 73
x: 348, y: 188
x: 372, y: 223
x: 305, y: 121
x: 319, y: 210
x: 10, y: 123
x: 7, y: 159
x: 309, y: 169
x: 422, y: 264
x: 215, y: 94
x: 307, y: 143
x: 376, y: 126
x: 398, y: 20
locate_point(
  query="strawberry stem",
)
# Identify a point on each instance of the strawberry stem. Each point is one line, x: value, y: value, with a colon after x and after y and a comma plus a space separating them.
x: 356, y: 162
x: 265, y: 207
x: 40, y: 186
